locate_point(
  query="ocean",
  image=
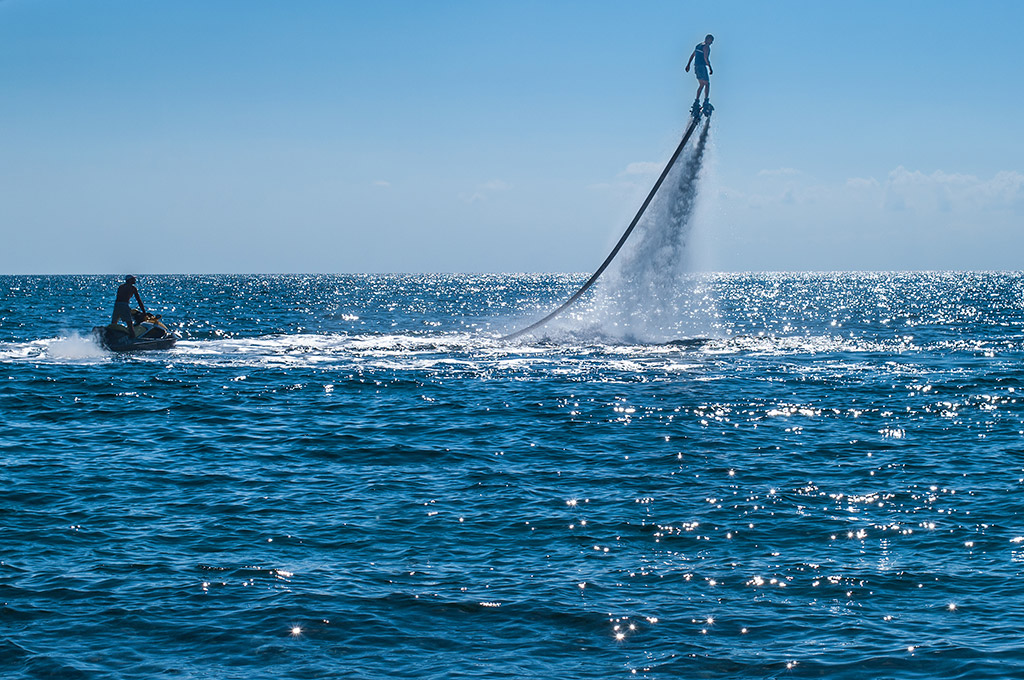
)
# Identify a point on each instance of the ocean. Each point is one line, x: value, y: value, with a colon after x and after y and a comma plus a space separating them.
x: 762, y: 476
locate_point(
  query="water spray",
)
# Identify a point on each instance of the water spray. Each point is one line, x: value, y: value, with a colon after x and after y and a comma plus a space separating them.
x: 622, y: 240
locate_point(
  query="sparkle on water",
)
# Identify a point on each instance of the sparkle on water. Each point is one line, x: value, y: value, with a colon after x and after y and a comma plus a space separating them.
x: 824, y: 478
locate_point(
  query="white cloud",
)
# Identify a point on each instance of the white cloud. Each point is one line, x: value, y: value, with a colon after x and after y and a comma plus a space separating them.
x: 779, y: 172
x: 905, y: 219
x: 862, y: 183
x: 952, y: 192
x: 642, y: 168
x: 901, y: 190
x: 483, y: 191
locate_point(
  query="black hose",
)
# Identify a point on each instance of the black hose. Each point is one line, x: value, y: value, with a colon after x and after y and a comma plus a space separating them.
x: 622, y: 240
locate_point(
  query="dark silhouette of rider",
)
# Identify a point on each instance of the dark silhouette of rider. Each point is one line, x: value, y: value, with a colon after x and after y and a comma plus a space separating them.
x: 122, y: 310
x: 702, y: 67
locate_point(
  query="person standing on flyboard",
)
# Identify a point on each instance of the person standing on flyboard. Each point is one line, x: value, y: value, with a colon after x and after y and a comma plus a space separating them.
x: 701, y: 60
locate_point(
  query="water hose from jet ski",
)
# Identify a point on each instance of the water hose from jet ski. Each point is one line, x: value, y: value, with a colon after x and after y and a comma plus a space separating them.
x: 611, y: 256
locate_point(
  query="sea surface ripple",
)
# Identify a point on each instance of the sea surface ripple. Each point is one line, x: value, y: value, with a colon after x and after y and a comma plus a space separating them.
x: 355, y: 477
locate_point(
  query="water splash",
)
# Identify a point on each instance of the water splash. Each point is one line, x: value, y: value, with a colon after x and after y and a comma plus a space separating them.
x: 74, y: 347
x: 652, y: 293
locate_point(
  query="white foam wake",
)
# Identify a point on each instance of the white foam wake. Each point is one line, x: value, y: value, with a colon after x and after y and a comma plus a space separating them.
x: 73, y: 347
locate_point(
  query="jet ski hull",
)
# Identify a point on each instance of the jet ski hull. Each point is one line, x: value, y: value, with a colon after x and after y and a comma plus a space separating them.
x: 151, y: 334
x: 119, y: 341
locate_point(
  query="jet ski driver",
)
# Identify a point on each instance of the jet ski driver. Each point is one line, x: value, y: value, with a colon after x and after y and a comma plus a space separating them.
x: 122, y: 309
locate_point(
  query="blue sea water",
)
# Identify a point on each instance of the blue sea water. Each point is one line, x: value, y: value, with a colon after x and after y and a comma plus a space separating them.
x: 808, y: 475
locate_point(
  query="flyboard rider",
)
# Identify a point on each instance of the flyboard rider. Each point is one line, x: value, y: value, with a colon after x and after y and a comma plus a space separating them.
x: 701, y: 60
x: 122, y: 309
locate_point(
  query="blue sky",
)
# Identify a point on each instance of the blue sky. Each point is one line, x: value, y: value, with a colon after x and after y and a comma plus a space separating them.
x: 259, y: 136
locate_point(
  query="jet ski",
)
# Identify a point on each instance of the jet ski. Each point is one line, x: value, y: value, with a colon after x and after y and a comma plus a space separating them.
x: 151, y: 333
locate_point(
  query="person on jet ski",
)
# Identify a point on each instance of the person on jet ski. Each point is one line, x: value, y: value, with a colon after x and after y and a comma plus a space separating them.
x: 122, y: 309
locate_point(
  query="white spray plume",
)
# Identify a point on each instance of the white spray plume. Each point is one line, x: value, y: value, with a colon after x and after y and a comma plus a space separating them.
x: 651, y: 293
